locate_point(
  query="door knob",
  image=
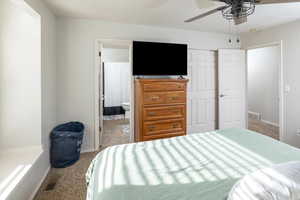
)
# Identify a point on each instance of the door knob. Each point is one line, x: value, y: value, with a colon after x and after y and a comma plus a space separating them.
x: 222, y: 95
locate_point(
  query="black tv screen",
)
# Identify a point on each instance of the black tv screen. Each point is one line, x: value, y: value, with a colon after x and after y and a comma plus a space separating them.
x: 150, y: 58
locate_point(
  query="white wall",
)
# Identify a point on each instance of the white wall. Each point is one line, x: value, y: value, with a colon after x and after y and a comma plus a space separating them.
x: 289, y: 34
x: 47, y: 96
x: 76, y: 51
x: 48, y: 69
x: 263, y: 82
x: 48, y: 80
x: 20, y: 94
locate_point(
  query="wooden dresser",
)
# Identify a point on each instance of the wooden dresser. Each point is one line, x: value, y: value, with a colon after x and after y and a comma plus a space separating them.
x: 160, y: 108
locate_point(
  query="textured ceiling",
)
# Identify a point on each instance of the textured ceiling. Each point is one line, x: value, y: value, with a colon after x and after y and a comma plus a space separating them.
x: 170, y: 13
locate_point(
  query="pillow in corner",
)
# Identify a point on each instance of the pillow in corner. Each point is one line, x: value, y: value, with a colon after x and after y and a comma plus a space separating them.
x: 280, y: 182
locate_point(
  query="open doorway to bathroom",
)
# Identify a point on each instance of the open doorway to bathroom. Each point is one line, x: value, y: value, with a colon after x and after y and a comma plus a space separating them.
x: 265, y: 93
x: 115, y: 94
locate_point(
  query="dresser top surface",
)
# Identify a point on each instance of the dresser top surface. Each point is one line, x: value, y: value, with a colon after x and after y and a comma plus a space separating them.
x: 146, y: 80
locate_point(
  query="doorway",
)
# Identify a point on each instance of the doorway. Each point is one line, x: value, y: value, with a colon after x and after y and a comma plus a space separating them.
x: 264, y: 90
x: 114, y: 114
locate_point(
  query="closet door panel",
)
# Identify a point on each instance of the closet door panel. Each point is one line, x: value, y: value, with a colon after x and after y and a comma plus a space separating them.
x: 202, y: 69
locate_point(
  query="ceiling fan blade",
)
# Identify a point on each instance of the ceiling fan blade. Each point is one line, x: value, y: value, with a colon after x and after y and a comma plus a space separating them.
x: 206, y: 14
x: 261, y: 2
x: 241, y: 20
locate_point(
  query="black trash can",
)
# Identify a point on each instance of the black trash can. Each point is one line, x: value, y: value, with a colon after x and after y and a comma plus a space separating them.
x: 66, y: 140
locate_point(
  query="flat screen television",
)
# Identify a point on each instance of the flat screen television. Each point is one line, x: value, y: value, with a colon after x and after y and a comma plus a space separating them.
x: 157, y: 59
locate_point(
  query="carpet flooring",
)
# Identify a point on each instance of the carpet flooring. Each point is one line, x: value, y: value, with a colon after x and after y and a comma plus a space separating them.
x: 264, y: 128
x: 69, y: 183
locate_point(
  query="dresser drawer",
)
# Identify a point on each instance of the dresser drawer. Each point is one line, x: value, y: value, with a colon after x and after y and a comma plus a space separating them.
x: 164, y: 112
x: 164, y: 126
x: 175, y: 97
x: 154, y: 98
x: 164, y: 86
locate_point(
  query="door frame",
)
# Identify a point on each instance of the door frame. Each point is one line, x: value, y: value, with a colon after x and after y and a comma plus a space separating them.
x: 98, y: 86
x: 281, y: 83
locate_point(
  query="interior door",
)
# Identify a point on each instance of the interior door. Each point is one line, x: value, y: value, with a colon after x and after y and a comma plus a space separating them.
x: 202, y: 91
x: 232, y: 88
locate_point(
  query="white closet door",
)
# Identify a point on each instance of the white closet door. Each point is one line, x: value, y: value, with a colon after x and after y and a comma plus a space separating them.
x: 202, y: 91
x: 232, y: 88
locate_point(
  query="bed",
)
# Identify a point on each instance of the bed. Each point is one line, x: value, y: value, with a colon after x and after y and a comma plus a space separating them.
x: 201, y: 166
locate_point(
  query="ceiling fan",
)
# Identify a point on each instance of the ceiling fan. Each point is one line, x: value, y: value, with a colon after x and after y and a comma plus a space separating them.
x: 236, y: 10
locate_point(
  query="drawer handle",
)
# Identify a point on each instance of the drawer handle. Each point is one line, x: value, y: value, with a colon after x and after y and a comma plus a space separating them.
x: 175, y: 125
x: 174, y: 98
x: 155, y: 98
x: 152, y: 128
x: 152, y: 113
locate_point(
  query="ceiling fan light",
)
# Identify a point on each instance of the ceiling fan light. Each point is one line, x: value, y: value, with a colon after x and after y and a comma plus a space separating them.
x: 239, y: 10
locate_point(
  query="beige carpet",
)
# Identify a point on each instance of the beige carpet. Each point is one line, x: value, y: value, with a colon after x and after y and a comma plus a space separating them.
x: 69, y: 183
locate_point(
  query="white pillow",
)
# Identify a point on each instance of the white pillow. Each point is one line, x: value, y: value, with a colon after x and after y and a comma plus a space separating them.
x: 280, y: 182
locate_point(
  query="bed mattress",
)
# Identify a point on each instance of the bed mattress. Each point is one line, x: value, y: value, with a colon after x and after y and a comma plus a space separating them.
x: 201, y: 166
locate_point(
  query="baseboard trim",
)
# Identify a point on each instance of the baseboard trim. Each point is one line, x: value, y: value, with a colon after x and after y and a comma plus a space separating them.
x: 88, y: 151
x: 254, y: 115
x: 270, y: 123
x: 40, y: 184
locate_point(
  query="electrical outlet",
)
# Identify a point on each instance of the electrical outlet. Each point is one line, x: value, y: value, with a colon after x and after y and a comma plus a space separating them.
x: 298, y: 132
